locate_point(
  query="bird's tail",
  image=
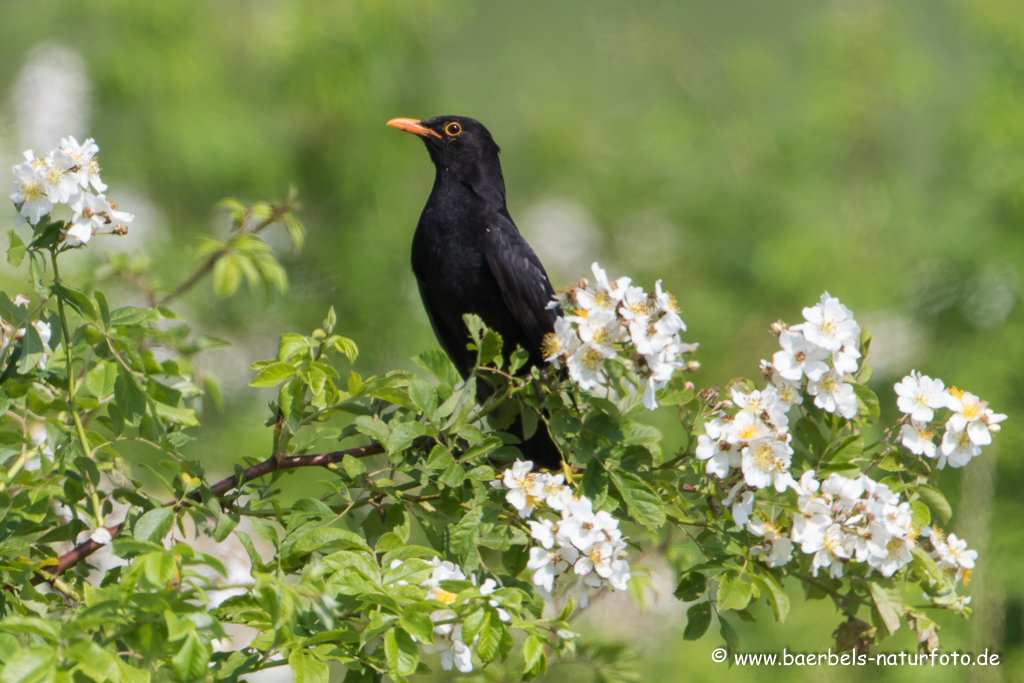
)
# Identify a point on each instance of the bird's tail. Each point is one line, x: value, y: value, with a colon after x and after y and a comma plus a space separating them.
x: 540, y: 448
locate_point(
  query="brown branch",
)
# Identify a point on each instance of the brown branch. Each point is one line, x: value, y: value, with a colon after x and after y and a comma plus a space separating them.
x: 219, y: 490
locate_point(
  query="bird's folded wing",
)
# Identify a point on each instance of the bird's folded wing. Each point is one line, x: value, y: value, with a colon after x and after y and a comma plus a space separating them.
x: 524, y: 284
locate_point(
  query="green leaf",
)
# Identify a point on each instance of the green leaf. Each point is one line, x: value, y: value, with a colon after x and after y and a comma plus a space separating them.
x: 130, y: 315
x: 77, y: 300
x: 344, y: 346
x: 292, y: 347
x: 536, y: 657
x: 419, y: 625
x: 921, y: 515
x: 32, y: 350
x: 733, y: 592
x: 936, y: 501
x: 128, y: 397
x: 491, y: 631
x: 404, y: 434
x: 691, y: 586
x: 490, y: 349
x: 273, y: 374
x: 437, y: 363
x: 354, y: 467
x: 728, y: 633
x: 329, y: 538
x: 193, y: 659
x: 227, y: 275
x: 849, y: 448
x: 101, y: 300
x: 372, y: 427
x: 29, y: 665
x: 425, y: 398
x: 777, y: 598
x: 185, y: 417
x: 642, y: 501
x: 887, y: 603
x: 401, y: 652
x: 462, y: 537
x: 698, y: 618
x: 155, y: 524
x: 100, y: 379
x: 307, y: 669
x: 867, y: 402
x: 158, y: 567
x: 16, y: 250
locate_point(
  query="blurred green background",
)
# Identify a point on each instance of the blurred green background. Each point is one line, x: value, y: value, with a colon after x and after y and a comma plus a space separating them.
x: 751, y: 154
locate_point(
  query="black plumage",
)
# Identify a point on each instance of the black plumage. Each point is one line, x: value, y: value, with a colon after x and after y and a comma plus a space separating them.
x: 469, y: 257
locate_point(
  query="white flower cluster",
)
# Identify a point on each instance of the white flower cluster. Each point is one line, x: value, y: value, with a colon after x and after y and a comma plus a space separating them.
x: 589, y: 542
x: 838, y: 520
x: 823, y: 350
x: 756, y: 439
x: 68, y: 175
x: 613, y: 319
x: 8, y: 334
x: 842, y: 520
x: 968, y: 427
x: 448, y: 642
x: 951, y: 553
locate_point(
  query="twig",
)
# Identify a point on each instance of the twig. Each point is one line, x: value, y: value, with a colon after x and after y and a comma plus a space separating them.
x: 276, y: 214
x: 219, y: 490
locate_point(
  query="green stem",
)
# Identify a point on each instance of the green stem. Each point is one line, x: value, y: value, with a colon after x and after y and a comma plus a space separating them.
x: 18, y: 464
x: 72, y: 386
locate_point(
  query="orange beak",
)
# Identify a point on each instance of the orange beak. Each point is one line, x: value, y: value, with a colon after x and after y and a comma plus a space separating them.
x: 413, y: 126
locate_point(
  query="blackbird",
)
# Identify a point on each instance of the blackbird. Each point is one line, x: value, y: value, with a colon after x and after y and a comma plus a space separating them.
x: 469, y: 257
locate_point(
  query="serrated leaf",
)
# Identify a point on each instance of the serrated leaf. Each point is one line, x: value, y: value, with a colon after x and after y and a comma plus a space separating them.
x: 307, y: 669
x: 329, y: 538
x: 32, y: 350
x: 489, y: 637
x: 847, y: 449
x: 30, y: 665
x: 490, y: 349
x: 936, y: 501
x: 536, y: 657
x: 691, y: 586
x: 403, y: 434
x: 193, y: 659
x: 921, y: 514
x: 733, y: 592
x: 77, y: 300
x: 401, y: 652
x: 642, y: 501
x: 227, y: 276
x: 437, y: 363
x: 273, y: 374
x: 728, y: 633
x: 867, y: 402
x: 15, y: 250
x: 887, y: 604
x: 154, y: 525
x: 698, y: 618
x: 776, y: 597
x: 128, y: 396
x: 130, y: 315
x: 100, y: 379
x: 462, y: 536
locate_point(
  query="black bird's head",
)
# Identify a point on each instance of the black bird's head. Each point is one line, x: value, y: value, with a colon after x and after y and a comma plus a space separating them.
x: 461, y: 148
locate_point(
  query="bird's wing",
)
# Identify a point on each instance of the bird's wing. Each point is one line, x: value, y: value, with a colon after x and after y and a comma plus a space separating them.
x: 453, y: 341
x: 524, y: 284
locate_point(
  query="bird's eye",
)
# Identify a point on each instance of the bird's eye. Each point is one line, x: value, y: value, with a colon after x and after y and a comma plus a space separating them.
x: 453, y: 129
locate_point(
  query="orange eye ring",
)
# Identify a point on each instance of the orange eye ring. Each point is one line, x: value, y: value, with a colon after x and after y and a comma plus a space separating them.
x: 453, y: 129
